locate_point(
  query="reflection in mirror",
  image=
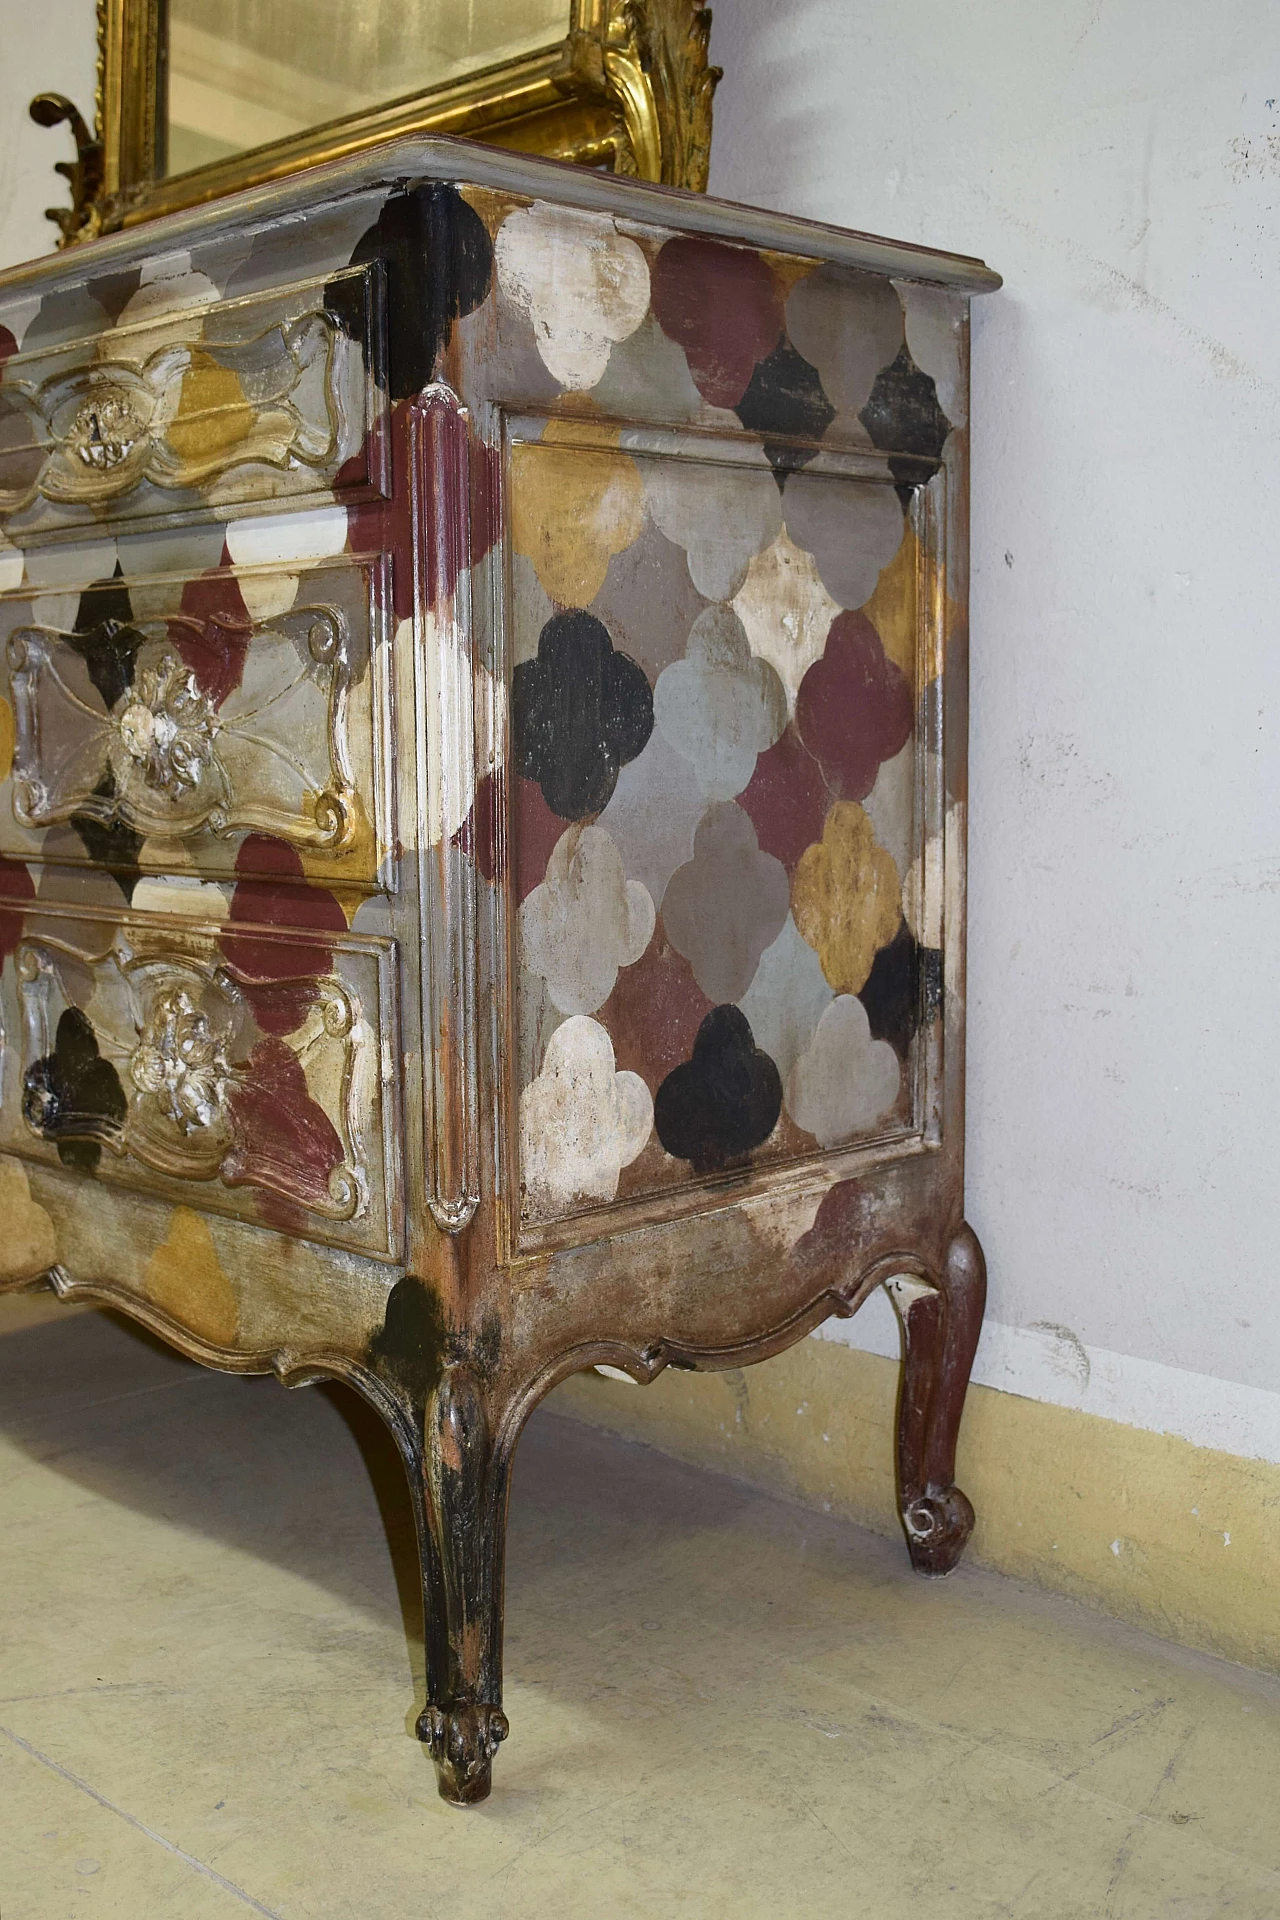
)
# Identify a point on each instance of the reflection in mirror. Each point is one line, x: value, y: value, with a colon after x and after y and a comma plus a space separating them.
x: 245, y: 72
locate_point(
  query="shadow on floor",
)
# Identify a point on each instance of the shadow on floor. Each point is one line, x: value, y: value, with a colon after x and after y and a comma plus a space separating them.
x: 311, y: 1480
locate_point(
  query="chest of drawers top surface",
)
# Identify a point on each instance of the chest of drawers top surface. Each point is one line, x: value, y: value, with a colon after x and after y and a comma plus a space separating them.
x: 235, y: 357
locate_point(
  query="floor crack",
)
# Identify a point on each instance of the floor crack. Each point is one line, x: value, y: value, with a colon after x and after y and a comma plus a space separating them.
x: 210, y: 1873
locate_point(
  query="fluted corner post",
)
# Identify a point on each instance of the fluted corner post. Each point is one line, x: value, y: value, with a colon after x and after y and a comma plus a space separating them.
x: 941, y: 1319
x: 445, y: 731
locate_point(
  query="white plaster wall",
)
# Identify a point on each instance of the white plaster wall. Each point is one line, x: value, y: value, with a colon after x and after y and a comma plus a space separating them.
x: 1119, y: 162
x: 46, y: 46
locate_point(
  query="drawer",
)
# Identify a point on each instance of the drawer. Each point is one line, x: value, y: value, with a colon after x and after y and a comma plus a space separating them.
x: 198, y: 409
x: 160, y: 723
x: 237, y: 1069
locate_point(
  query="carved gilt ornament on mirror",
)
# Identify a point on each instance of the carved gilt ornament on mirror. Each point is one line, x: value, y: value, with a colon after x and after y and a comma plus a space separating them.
x: 199, y: 98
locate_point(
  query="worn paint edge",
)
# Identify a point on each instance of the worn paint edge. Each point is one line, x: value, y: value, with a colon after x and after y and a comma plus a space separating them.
x: 1178, y: 1539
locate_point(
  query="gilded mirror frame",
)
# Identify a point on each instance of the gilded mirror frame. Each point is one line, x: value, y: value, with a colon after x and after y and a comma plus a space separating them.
x: 629, y: 89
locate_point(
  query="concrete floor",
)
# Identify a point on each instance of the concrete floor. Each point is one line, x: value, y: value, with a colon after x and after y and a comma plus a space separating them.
x: 721, y: 1704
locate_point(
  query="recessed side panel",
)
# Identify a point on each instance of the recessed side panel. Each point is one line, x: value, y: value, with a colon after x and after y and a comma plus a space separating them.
x: 721, y: 772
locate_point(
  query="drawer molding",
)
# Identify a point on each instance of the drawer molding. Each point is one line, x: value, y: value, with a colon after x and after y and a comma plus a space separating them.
x: 257, y: 401
x: 98, y: 433
x: 152, y: 1053
x: 157, y: 760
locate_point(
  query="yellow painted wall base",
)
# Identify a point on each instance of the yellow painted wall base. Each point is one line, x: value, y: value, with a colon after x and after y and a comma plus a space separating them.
x: 1178, y: 1539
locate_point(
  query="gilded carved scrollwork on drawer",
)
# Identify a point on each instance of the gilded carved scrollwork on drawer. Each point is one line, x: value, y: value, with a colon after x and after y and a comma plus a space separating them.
x: 189, y: 725
x: 219, y: 405
x: 247, y: 1065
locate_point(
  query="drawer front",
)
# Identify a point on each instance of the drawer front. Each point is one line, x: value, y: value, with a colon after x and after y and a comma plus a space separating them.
x: 168, y: 724
x: 203, y: 408
x: 237, y: 1069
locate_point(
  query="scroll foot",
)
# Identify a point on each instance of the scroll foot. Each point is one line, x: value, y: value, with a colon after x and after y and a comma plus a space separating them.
x: 462, y: 1741
x: 463, y: 1540
x: 941, y: 1319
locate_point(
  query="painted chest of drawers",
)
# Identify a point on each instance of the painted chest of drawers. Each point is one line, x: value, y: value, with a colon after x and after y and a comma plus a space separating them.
x: 483, y: 717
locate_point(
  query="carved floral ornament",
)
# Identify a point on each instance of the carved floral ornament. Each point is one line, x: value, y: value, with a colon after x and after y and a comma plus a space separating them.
x: 166, y: 757
x: 105, y: 430
x: 181, y: 1062
x: 164, y: 728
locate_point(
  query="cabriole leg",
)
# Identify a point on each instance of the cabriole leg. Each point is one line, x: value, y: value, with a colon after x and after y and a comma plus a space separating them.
x: 940, y: 1325
x: 463, y: 1544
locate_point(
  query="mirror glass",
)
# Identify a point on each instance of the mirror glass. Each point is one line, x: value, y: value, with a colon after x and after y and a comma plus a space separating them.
x: 243, y: 73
